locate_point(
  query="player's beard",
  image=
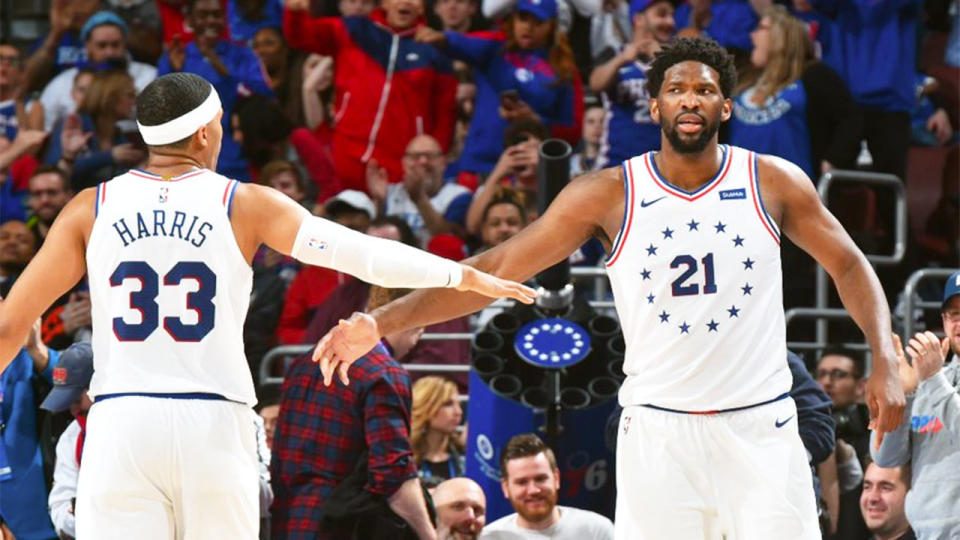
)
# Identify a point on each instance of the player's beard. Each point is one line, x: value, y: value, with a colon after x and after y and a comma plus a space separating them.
x: 540, y: 513
x: 694, y: 146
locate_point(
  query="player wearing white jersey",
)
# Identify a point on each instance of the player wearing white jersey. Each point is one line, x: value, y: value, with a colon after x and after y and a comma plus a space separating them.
x: 170, y: 449
x: 708, y: 444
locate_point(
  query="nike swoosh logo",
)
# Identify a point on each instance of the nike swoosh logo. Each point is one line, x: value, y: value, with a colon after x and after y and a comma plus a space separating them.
x: 780, y: 424
x: 644, y: 204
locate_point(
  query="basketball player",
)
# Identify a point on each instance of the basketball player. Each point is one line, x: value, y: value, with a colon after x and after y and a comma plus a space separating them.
x: 170, y: 451
x: 708, y: 445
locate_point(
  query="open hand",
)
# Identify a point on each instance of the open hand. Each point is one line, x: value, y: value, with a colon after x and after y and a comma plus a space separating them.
x: 927, y: 353
x: 377, y: 182
x: 72, y: 137
x: 886, y: 400
x: 176, y: 54
x: 488, y: 285
x: 343, y: 344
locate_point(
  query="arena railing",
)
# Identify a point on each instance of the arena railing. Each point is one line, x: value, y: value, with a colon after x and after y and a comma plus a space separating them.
x: 900, y: 230
x: 599, y: 294
x: 908, y: 301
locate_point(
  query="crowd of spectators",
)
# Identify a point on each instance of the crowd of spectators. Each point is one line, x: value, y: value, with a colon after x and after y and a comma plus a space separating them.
x: 421, y: 123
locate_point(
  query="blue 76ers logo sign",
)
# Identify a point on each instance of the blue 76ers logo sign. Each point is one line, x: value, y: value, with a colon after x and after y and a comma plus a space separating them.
x: 318, y: 245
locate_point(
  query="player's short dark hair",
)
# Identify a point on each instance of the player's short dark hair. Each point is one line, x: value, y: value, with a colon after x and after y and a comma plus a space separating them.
x: 703, y: 50
x: 856, y: 358
x: 524, y: 445
x: 171, y: 96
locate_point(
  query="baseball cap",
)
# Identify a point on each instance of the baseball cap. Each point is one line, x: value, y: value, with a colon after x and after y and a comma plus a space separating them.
x: 951, y: 289
x: 638, y: 6
x: 356, y: 200
x: 70, y: 378
x: 448, y: 246
x: 101, y: 18
x: 541, y: 9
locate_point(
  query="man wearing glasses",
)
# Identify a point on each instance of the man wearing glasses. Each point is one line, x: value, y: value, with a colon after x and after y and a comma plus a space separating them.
x: 929, y: 437
x: 423, y: 200
x: 840, y: 372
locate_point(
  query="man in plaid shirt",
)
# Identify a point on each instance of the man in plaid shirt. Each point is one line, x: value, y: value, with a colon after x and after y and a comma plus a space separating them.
x: 323, y: 431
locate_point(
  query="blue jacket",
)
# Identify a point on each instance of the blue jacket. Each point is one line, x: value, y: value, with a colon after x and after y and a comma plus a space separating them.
x: 560, y: 106
x: 92, y: 165
x: 242, y: 29
x: 246, y: 72
x: 23, y: 498
x: 731, y: 22
x: 813, y: 411
x: 873, y: 46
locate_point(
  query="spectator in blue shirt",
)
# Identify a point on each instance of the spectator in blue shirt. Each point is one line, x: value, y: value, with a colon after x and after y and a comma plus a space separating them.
x: 792, y: 106
x: 232, y: 69
x: 873, y: 46
x: 728, y: 22
x: 246, y: 17
x: 525, y: 71
x: 23, y: 492
x: 620, y: 78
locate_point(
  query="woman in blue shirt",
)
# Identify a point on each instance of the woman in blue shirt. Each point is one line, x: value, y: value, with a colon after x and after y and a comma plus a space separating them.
x: 791, y: 105
x: 527, y: 70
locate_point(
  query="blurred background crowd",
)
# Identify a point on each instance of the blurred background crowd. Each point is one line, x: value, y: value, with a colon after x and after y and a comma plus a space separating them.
x: 420, y: 121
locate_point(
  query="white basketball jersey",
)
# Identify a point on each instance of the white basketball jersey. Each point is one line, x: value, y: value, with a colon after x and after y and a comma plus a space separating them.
x: 697, y: 283
x: 169, y: 287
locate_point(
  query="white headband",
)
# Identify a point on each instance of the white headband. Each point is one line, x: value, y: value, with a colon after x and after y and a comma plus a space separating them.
x: 183, y: 126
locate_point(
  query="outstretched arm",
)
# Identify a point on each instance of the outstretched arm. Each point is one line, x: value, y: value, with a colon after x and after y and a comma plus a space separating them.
x: 794, y: 202
x: 591, y: 205
x: 320, y: 242
x: 56, y: 268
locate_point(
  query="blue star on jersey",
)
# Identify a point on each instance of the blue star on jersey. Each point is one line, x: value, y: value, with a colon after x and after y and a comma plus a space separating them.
x: 695, y: 275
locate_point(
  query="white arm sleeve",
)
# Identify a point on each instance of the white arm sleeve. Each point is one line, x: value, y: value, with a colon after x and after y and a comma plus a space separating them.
x: 321, y: 242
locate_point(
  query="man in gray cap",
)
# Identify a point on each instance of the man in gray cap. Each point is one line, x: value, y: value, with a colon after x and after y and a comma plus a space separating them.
x: 927, y: 438
x: 71, y: 378
x: 104, y: 39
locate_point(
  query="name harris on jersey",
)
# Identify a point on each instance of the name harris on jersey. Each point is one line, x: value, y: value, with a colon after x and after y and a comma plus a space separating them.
x: 188, y: 228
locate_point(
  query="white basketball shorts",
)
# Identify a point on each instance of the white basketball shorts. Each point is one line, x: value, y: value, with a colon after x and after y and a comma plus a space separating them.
x: 168, y: 469
x: 739, y: 475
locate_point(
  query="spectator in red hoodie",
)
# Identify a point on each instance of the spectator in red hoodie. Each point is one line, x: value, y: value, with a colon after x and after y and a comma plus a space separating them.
x: 388, y: 87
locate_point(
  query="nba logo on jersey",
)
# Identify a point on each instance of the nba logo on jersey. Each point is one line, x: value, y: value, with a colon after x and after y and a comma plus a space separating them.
x: 164, y: 194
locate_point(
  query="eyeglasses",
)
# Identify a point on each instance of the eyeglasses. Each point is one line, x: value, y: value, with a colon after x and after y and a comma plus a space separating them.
x: 833, y: 374
x: 422, y: 155
x: 9, y: 59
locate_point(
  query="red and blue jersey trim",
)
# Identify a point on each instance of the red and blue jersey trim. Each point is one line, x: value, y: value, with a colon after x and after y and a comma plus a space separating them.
x: 621, y: 239
x: 768, y: 223
x: 228, y: 192
x: 151, y: 176
x: 101, y: 198
x: 689, y: 196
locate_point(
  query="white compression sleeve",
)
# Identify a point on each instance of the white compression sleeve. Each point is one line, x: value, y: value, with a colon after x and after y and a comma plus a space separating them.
x: 321, y: 242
